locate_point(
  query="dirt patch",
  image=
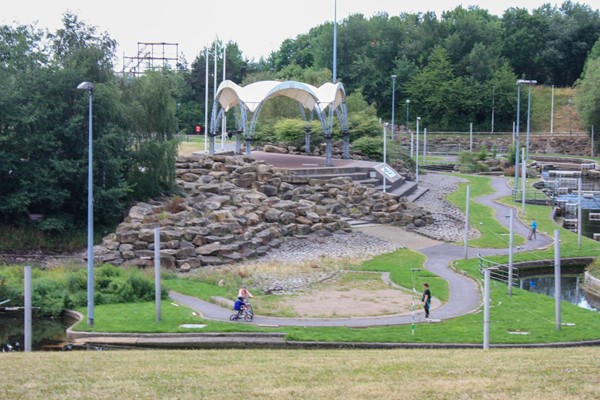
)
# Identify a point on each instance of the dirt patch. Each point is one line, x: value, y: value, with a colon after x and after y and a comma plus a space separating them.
x: 333, y: 303
x: 348, y: 296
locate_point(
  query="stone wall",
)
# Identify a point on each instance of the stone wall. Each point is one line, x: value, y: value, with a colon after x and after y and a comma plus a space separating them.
x: 539, y: 144
x: 233, y: 207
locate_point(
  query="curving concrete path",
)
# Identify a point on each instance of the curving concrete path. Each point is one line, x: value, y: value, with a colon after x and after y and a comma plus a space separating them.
x: 464, y: 292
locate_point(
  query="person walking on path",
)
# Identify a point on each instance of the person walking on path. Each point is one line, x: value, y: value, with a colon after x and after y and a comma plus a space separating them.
x: 426, y: 299
x: 533, y: 229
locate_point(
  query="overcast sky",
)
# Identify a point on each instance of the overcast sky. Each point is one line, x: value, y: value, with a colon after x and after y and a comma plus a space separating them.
x: 259, y: 26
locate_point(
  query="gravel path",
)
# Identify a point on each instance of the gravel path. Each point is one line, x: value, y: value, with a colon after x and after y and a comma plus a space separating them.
x: 448, y: 220
x: 353, y: 244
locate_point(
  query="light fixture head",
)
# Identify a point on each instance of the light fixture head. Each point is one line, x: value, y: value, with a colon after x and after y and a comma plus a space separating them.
x: 85, y: 86
x: 394, y: 77
x: 526, y: 82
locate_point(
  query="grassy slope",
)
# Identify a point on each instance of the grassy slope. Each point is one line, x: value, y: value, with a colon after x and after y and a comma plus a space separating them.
x: 493, y: 234
x: 566, y: 117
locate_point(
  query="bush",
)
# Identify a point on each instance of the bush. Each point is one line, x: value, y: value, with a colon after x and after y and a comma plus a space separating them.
x: 482, y: 155
x: 371, y: 147
x: 49, y: 295
x: 58, y: 289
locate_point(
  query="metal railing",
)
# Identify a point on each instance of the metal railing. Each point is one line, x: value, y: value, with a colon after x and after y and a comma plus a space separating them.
x: 498, y: 272
x: 532, y: 196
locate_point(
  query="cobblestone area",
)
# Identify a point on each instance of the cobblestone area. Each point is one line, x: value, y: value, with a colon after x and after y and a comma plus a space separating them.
x: 448, y: 220
x: 353, y: 244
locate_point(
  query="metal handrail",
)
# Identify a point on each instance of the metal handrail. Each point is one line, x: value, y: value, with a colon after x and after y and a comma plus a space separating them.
x: 498, y: 271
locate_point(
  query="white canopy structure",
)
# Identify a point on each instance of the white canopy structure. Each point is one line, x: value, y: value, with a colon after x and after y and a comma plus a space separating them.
x: 325, y: 101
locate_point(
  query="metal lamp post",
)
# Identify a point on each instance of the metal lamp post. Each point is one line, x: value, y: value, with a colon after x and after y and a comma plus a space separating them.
x: 90, y: 216
x: 517, y: 145
x: 517, y: 136
x: 528, y: 83
x: 407, y: 129
x: 417, y: 162
x: 393, y: 102
x: 384, y: 155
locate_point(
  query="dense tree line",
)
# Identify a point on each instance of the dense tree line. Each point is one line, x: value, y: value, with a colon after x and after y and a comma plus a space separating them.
x: 454, y: 68
x: 44, y: 125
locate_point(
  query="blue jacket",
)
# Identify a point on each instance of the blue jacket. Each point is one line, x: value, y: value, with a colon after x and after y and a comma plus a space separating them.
x: 237, y: 306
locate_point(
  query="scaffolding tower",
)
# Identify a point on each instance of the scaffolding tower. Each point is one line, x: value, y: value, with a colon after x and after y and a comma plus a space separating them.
x: 151, y: 55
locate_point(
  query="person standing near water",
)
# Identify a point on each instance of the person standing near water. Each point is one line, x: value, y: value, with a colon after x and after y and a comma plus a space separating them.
x: 426, y: 299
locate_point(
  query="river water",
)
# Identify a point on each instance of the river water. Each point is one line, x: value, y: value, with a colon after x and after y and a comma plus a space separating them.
x: 47, y: 333
x: 571, y: 289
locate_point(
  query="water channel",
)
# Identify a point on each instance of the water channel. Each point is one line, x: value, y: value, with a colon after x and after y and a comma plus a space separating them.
x: 47, y: 333
x: 571, y: 289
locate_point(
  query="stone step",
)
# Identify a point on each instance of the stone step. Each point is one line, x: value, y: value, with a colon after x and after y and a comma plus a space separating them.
x: 371, y: 182
x: 355, y: 223
x: 404, y: 190
x: 355, y: 176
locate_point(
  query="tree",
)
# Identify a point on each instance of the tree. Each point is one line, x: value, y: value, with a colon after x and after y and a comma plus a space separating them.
x: 438, y: 95
x: 465, y: 29
x: 44, y: 125
x: 152, y: 107
x: 587, y: 98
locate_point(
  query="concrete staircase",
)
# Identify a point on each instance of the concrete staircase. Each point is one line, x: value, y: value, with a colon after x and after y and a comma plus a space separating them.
x: 369, y: 176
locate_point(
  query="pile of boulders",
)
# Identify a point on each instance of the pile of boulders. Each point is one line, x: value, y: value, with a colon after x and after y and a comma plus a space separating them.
x: 233, y: 208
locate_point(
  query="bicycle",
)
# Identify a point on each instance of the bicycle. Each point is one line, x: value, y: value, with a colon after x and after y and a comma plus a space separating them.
x: 247, y: 313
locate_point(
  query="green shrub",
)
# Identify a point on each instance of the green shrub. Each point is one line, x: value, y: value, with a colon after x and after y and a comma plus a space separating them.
x: 49, y: 295
x: 371, y: 147
x: 76, y: 281
x: 482, y: 154
x: 60, y: 288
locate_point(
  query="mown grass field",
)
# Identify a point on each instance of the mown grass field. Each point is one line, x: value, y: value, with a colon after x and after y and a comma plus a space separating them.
x: 298, y: 374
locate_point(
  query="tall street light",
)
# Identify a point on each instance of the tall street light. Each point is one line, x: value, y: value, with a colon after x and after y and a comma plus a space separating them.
x: 408, y: 130
x: 517, y: 137
x: 417, y: 138
x: 530, y: 84
x: 334, y: 41
x: 90, y: 222
x: 384, y: 155
x: 517, y: 144
x: 393, y: 102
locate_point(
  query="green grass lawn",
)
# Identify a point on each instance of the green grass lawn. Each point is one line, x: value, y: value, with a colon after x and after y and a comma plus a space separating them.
x: 493, y: 234
x: 399, y: 264
x: 508, y: 374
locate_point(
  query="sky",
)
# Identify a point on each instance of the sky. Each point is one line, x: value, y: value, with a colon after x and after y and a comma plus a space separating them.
x: 258, y: 27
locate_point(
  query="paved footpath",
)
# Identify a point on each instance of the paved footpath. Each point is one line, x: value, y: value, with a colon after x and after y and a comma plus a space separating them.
x: 464, y: 291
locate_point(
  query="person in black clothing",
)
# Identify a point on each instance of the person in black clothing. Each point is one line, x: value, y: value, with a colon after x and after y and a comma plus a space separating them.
x: 426, y: 299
